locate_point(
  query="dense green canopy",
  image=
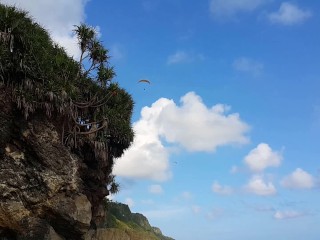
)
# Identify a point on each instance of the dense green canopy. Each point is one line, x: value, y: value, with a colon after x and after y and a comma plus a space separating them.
x: 78, y: 95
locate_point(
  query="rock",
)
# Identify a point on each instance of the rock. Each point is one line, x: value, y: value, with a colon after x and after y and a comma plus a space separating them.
x: 110, y: 234
x: 68, y: 215
x: 46, y: 192
x: 52, y: 235
x: 12, y: 214
x: 49, y: 193
x: 157, y: 230
x: 53, y: 179
x: 83, y: 210
x: 41, y: 189
x: 36, y: 229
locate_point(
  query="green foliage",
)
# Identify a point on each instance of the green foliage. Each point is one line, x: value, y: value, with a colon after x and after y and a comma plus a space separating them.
x: 87, y: 107
x: 119, y: 216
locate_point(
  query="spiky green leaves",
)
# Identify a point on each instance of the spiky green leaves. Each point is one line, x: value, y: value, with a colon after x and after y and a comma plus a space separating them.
x: 45, y: 80
x: 94, y: 57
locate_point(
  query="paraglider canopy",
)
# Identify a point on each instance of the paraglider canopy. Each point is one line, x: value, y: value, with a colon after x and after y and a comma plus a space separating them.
x: 144, y: 81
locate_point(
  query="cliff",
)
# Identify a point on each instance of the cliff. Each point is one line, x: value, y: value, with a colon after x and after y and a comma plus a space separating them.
x: 62, y: 123
x: 119, y: 218
x: 42, y: 194
x: 46, y: 191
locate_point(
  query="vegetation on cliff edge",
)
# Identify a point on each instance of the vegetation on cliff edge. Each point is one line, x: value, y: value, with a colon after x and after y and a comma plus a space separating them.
x: 91, y: 113
x: 119, y: 216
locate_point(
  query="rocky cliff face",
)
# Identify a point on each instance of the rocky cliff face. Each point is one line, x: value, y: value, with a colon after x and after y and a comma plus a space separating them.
x: 46, y: 192
x: 42, y: 193
x: 61, y: 126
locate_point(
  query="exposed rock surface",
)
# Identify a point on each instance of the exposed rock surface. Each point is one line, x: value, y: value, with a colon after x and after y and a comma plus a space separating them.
x: 41, y: 190
x: 61, y: 126
x: 46, y: 192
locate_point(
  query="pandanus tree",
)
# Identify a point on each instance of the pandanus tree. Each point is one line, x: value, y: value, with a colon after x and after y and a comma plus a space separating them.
x: 91, y: 113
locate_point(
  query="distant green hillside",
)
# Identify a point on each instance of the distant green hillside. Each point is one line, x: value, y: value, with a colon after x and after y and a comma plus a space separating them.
x: 135, y: 225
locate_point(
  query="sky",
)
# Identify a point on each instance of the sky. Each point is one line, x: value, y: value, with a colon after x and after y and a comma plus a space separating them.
x: 227, y: 133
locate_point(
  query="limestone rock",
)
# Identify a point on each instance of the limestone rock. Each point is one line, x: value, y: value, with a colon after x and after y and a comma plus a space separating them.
x: 42, y: 194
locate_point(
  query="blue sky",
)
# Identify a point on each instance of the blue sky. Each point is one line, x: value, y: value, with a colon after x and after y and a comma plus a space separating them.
x: 228, y: 131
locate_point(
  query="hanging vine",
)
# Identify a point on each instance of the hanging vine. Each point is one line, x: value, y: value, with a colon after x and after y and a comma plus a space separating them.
x: 88, y: 108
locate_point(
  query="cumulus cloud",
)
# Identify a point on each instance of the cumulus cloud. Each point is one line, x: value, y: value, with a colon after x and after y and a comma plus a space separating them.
x: 58, y: 16
x: 155, y: 189
x: 289, y: 14
x: 196, y: 127
x: 192, y: 125
x: 183, y: 57
x: 248, y: 65
x: 262, y: 157
x: 222, y: 190
x: 229, y: 8
x: 288, y: 214
x: 146, y: 158
x: 299, y: 179
x: 257, y: 185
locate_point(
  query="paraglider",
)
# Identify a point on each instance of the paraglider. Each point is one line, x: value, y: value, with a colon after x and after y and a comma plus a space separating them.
x: 144, y: 81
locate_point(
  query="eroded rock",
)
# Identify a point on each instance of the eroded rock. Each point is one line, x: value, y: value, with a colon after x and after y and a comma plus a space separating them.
x: 41, y: 190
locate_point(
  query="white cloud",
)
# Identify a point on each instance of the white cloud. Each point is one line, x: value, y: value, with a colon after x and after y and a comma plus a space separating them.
x: 229, y: 8
x: 223, y: 190
x: 70, y: 44
x: 192, y: 126
x: 281, y: 215
x: 183, y: 57
x: 258, y: 186
x: 155, y: 189
x: 129, y: 202
x: 58, y: 16
x: 262, y: 157
x: 248, y: 65
x: 147, y: 157
x: 299, y: 179
x: 289, y: 14
x: 196, y: 127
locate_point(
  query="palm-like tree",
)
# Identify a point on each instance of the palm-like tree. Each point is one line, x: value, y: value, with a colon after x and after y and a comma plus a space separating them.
x: 85, y: 34
x: 91, y: 110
